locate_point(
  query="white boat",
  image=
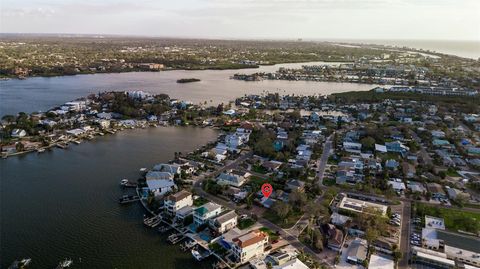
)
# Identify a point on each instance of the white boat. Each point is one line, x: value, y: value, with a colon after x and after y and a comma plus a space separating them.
x: 123, y: 181
x: 25, y: 262
x: 64, y: 264
x: 143, y: 169
x: 40, y: 150
x: 197, y: 255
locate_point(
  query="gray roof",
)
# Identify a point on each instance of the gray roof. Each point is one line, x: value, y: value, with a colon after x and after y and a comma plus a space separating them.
x: 358, y: 249
x: 226, y: 216
x: 460, y: 241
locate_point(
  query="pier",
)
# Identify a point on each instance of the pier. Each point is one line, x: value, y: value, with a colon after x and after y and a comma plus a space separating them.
x: 128, y: 199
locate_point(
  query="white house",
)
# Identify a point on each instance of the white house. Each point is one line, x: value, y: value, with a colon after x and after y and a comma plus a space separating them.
x: 177, y: 201
x: 224, y: 222
x: 205, y: 212
x: 249, y: 245
x: 233, y: 178
x: 17, y: 133
x: 160, y: 186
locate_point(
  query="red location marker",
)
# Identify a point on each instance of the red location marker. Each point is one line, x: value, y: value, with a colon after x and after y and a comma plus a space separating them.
x: 267, y: 190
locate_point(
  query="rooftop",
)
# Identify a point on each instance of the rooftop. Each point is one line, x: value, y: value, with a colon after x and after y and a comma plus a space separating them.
x: 250, y: 238
x: 380, y: 262
x: 179, y: 196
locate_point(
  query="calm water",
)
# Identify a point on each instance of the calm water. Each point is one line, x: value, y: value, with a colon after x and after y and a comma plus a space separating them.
x: 63, y: 203
x: 41, y: 94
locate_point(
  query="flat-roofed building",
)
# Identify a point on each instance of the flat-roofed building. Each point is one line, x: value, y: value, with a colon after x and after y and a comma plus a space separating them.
x: 380, y: 262
x: 359, y: 206
x: 458, y: 247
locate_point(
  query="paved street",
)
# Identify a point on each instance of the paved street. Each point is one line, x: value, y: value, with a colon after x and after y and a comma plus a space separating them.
x: 405, y: 233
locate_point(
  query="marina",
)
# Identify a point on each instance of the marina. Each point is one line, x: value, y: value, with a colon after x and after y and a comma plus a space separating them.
x: 88, y: 206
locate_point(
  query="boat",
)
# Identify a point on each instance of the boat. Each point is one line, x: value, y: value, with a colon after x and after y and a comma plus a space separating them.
x: 20, y: 264
x: 198, y: 255
x: 76, y: 142
x: 64, y: 264
x: 26, y: 261
x: 124, y: 182
x: 40, y: 150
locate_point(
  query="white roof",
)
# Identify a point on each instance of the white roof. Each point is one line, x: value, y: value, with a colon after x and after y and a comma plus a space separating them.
x: 379, y: 262
x: 293, y: 264
x: 380, y: 148
x: 435, y: 223
x: 155, y: 184
x: 397, y: 185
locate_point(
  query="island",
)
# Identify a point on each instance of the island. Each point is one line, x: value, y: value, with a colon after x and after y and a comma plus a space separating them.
x: 187, y: 80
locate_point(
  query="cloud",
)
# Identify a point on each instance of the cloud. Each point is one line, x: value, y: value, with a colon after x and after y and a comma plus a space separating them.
x: 28, y: 12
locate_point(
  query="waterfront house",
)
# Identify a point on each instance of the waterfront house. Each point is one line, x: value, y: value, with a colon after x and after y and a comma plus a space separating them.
x: 18, y: 133
x: 224, y: 222
x: 177, y: 201
x: 204, y: 213
x: 156, y: 175
x: 169, y: 168
x: 234, y: 178
x: 249, y: 245
x: 160, y: 187
x: 292, y: 264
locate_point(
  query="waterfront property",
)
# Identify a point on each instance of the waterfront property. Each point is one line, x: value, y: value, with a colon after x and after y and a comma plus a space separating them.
x: 204, y: 213
x: 249, y: 245
x: 177, y: 201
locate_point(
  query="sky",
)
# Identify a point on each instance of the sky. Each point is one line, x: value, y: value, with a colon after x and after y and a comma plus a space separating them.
x: 248, y: 19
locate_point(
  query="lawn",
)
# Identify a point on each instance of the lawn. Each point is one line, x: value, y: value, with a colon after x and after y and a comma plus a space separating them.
x: 259, y: 169
x: 455, y: 219
x: 287, y: 222
x: 329, y: 181
x: 245, y: 223
x: 271, y: 234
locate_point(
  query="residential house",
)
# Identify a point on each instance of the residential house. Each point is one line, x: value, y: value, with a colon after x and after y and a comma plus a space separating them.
x: 234, y: 178
x: 160, y: 187
x: 357, y: 251
x: 408, y: 170
x: 177, y: 201
x: 224, y: 222
x: 18, y: 133
x: 249, y: 245
x: 456, y: 193
x: 335, y: 238
x: 436, y: 190
x: 204, y: 213
x: 294, y: 184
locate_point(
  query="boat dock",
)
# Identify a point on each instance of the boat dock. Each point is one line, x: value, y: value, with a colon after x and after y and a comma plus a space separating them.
x: 128, y: 199
x: 125, y: 183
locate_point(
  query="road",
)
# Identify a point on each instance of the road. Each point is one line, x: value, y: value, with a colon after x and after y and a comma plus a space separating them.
x: 322, y: 162
x: 405, y: 234
x: 286, y: 234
